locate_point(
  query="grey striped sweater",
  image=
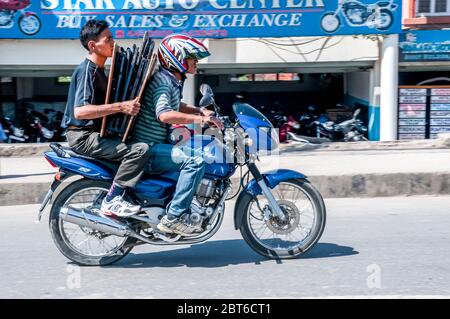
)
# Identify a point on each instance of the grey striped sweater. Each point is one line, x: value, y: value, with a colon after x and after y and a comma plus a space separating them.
x: 162, y: 94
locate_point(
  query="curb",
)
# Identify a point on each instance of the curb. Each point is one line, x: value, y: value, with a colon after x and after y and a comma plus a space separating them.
x: 24, y: 150
x: 443, y: 141
x: 368, y: 185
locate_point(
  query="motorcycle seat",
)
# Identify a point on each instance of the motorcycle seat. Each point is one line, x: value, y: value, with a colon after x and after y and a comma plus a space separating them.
x: 64, y: 151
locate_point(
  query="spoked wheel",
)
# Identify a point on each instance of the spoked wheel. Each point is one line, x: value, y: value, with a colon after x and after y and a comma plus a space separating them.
x: 303, y: 225
x: 80, y: 244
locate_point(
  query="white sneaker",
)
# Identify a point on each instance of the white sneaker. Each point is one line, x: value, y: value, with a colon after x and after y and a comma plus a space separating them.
x: 119, y: 207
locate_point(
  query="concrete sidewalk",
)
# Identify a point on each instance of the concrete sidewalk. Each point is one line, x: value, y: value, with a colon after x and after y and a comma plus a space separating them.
x: 338, y: 173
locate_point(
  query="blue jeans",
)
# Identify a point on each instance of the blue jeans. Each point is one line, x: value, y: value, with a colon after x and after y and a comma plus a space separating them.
x: 190, y: 164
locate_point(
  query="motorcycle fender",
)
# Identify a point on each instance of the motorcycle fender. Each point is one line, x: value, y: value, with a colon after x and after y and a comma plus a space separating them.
x: 252, y: 189
x: 59, y: 178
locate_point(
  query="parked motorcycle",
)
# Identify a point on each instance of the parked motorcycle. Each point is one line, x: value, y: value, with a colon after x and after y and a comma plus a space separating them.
x: 280, y: 214
x: 54, y: 119
x: 38, y: 127
x: 29, y: 23
x: 347, y: 131
x: 377, y: 15
x: 13, y: 134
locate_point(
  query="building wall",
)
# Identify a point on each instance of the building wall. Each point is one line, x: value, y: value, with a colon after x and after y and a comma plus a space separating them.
x: 57, y: 55
x: 414, y: 20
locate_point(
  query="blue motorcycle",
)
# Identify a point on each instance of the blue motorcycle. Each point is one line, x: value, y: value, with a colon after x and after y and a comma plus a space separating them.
x: 279, y: 213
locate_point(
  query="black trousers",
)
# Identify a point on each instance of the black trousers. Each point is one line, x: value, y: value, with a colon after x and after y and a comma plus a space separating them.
x: 133, y: 156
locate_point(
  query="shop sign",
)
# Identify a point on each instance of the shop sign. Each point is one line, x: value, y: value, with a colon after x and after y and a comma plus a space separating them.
x: 440, y: 99
x: 411, y: 114
x: 413, y: 107
x: 411, y: 129
x: 412, y: 136
x: 439, y: 129
x: 424, y: 45
x: 440, y: 107
x: 440, y: 91
x: 413, y: 99
x: 440, y: 122
x: 62, y: 19
x: 413, y: 91
x: 411, y: 122
x: 440, y: 114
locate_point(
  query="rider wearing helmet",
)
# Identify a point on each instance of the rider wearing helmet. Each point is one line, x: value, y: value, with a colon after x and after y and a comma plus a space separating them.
x: 161, y: 107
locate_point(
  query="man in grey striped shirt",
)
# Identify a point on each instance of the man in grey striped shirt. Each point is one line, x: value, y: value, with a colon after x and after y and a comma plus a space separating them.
x: 161, y: 107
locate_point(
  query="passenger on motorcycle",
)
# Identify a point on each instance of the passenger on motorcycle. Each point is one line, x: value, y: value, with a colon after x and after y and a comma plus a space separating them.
x: 161, y: 108
x: 82, y: 119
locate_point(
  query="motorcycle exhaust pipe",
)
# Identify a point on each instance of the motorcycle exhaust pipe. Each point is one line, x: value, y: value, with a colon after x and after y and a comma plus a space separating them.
x: 101, y: 223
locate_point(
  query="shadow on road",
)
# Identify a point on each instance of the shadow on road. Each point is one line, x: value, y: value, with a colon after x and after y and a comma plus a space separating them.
x: 220, y: 253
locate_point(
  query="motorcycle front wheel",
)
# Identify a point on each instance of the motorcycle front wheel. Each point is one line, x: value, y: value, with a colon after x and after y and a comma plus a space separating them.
x: 84, y: 245
x: 330, y: 22
x: 305, y: 213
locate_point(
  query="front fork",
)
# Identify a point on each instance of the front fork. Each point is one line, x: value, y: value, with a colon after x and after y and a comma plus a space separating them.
x: 273, y: 204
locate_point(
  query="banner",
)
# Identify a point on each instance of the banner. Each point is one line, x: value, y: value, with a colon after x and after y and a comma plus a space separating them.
x: 427, y: 45
x: 62, y: 19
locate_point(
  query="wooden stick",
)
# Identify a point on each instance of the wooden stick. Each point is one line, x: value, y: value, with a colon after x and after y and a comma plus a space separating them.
x: 108, y: 89
x: 141, y: 91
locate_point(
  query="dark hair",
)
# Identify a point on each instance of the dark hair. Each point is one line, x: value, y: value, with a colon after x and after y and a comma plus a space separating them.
x: 91, y: 30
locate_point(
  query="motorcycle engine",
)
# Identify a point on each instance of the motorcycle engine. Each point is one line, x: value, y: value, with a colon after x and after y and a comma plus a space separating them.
x: 356, y: 15
x: 205, y: 197
x: 206, y: 191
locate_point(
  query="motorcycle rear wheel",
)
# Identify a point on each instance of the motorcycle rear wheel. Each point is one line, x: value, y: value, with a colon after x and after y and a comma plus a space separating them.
x: 72, y: 195
x: 282, y: 241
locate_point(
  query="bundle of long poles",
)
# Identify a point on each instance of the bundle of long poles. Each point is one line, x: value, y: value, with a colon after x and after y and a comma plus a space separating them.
x: 131, y: 69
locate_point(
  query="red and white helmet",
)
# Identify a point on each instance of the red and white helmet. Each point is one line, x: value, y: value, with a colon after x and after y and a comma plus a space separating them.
x: 176, y: 48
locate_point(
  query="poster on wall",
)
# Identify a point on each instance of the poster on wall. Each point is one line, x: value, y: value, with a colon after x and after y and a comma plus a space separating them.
x: 412, y: 113
x: 423, y: 112
x: 439, y: 111
x: 62, y: 19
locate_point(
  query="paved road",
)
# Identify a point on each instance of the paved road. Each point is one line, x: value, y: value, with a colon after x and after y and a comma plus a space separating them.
x: 371, y: 247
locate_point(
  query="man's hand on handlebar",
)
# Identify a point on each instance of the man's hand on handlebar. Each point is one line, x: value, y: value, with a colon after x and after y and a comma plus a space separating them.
x: 205, y: 112
x: 213, y: 121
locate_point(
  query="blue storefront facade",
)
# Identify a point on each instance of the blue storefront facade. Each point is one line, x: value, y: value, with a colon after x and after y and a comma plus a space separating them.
x: 311, y: 38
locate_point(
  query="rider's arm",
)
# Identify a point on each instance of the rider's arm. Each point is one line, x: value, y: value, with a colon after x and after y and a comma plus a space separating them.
x: 189, y: 109
x: 175, y: 117
x: 85, y: 105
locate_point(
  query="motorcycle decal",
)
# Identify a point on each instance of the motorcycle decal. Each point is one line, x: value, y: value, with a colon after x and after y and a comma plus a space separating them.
x: 62, y: 19
x: 13, y: 12
x: 378, y: 16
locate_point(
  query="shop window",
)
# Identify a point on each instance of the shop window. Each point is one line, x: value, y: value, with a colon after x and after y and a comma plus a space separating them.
x: 433, y: 7
x: 63, y: 80
x: 6, y: 80
x: 266, y: 77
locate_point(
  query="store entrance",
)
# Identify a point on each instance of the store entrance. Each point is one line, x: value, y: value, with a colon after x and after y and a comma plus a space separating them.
x: 305, y: 97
